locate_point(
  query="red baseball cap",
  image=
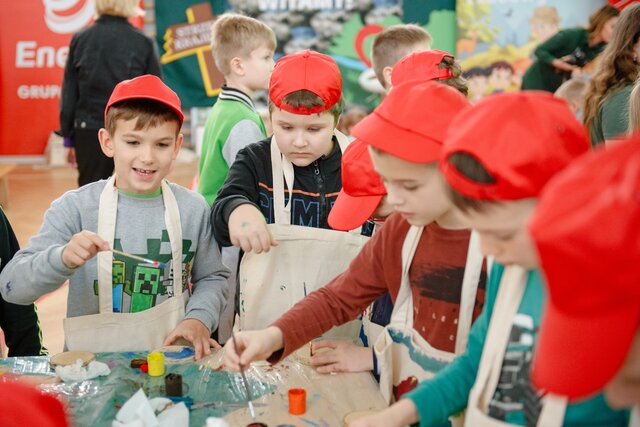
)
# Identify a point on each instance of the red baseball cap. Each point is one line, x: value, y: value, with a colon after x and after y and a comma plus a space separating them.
x: 145, y: 87
x: 521, y: 138
x: 424, y: 65
x: 309, y: 70
x: 586, y: 229
x: 412, y: 120
x: 24, y: 405
x: 362, y: 189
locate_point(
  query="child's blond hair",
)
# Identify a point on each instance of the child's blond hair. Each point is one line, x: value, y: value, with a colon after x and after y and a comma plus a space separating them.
x: 124, y: 8
x: 634, y: 108
x: 234, y: 35
x: 394, y: 43
x: 572, y: 90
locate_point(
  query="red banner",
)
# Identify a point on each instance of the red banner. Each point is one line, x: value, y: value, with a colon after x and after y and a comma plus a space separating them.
x: 34, y: 43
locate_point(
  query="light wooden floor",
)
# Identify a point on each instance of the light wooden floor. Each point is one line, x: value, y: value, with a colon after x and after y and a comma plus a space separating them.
x: 31, y: 191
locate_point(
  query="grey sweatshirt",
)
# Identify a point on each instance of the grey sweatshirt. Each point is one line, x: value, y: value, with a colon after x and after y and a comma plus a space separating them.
x: 140, y: 229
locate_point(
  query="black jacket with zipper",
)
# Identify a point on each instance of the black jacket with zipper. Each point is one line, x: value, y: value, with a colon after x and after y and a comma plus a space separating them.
x: 250, y: 180
x: 101, y: 56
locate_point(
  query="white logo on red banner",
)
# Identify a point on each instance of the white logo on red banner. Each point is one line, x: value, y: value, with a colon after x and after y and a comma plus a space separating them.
x: 67, y: 16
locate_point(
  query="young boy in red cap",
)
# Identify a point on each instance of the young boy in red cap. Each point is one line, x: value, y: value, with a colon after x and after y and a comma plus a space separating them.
x: 393, y: 44
x: 305, y: 102
x: 585, y: 228
x: 439, y: 277
x: 117, y: 302
x: 363, y: 195
x: 496, y: 160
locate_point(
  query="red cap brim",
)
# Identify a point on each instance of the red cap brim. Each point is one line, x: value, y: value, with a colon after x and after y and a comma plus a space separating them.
x: 349, y: 212
x: 577, y: 356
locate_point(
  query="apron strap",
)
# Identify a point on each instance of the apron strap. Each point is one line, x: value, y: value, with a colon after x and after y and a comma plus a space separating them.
x: 402, y: 308
x: 470, y: 282
x: 635, y: 416
x: 107, y: 214
x: 508, y: 300
x: 553, y: 409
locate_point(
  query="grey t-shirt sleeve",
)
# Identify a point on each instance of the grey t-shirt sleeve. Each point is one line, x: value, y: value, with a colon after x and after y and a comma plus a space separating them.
x: 245, y: 132
x: 38, y: 269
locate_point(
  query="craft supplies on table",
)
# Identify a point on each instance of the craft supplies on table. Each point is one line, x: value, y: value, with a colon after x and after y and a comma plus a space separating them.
x: 210, y: 391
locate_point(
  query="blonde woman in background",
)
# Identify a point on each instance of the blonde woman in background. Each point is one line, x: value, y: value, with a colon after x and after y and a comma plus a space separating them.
x: 100, y: 56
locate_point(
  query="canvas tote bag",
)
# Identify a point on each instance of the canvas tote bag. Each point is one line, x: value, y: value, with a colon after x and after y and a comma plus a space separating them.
x: 142, y: 331
x: 404, y: 356
x: 306, y: 259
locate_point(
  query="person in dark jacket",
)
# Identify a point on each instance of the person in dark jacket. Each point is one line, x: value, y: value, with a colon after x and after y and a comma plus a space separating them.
x: 100, y: 56
x: 568, y: 50
x: 19, y: 323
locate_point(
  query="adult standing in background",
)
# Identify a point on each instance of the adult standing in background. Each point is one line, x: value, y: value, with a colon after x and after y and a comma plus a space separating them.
x: 607, y: 97
x: 100, y: 56
x: 569, y: 50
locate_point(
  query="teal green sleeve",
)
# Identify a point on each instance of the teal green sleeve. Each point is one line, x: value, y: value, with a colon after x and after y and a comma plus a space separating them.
x: 447, y: 393
x: 563, y: 41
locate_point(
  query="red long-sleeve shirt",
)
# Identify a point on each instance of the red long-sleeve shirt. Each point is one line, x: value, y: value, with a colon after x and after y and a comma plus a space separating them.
x: 435, y: 275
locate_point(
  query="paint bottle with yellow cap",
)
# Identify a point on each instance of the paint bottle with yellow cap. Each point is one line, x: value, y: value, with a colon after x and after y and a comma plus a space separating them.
x: 156, y: 364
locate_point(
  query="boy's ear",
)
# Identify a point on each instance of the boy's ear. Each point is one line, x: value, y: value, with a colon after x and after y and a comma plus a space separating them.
x: 176, y: 148
x: 386, y: 74
x: 236, y: 66
x: 106, y: 142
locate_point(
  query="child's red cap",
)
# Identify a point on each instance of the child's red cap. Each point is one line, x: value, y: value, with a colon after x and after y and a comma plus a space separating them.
x: 145, y: 87
x: 362, y: 189
x: 522, y: 139
x: 412, y: 120
x: 424, y: 65
x: 586, y: 228
x: 309, y: 70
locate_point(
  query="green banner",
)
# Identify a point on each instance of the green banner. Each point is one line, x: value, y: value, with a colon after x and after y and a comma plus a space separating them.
x: 343, y: 29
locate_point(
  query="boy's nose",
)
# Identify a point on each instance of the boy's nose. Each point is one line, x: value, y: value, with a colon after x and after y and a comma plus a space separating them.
x: 146, y: 154
x: 299, y: 140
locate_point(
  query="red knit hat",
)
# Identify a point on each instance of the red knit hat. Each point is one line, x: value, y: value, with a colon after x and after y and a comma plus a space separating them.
x: 145, y: 87
x: 522, y: 139
x: 586, y: 229
x: 23, y: 405
x: 308, y: 70
x: 362, y: 189
x: 424, y: 65
x: 412, y: 120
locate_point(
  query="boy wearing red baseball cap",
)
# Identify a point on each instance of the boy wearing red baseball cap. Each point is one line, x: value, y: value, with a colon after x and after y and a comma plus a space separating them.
x: 496, y: 160
x: 117, y: 302
x: 305, y: 102
x: 438, y: 297
x: 585, y: 229
x: 363, y: 196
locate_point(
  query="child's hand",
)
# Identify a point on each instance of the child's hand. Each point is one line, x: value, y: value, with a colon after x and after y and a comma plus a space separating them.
x: 248, y: 230
x: 82, y: 247
x: 196, y: 333
x: 343, y: 356
x: 253, y: 345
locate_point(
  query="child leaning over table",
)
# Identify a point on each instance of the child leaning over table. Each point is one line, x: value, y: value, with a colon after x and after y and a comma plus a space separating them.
x: 138, y: 307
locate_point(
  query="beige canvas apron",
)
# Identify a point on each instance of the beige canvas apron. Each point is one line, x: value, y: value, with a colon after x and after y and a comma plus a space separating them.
x: 306, y: 259
x: 409, y: 357
x: 512, y: 287
x: 145, y: 330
